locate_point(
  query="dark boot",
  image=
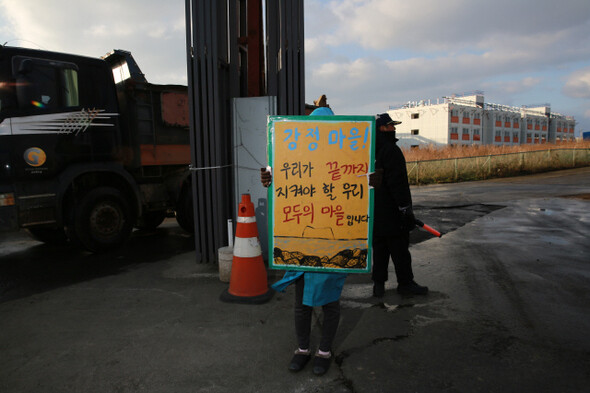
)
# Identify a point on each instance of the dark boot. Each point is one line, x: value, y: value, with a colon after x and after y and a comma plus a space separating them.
x: 378, y: 289
x: 299, y: 360
x: 411, y: 288
x: 321, y: 364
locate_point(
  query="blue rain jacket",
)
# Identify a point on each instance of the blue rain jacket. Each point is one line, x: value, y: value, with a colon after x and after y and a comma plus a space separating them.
x: 319, y: 289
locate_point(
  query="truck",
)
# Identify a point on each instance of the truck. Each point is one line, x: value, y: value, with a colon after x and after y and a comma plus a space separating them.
x: 89, y: 149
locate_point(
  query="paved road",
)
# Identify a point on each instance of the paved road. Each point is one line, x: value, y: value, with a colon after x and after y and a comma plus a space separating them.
x: 508, y: 309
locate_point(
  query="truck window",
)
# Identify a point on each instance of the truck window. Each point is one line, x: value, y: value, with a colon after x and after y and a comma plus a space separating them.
x: 121, y: 73
x: 38, y: 87
x: 44, y: 86
x: 70, y: 87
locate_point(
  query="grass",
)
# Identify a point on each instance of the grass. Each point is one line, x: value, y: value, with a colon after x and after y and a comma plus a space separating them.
x: 459, y: 151
x: 429, y: 165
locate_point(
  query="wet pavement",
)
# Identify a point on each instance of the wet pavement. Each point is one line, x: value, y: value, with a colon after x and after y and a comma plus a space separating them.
x: 508, y: 311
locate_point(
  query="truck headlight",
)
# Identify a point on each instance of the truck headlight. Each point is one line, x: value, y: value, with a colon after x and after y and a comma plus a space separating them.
x: 7, y: 199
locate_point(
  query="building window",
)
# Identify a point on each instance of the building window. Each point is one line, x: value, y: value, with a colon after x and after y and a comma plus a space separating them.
x: 415, y: 115
x: 466, y: 117
x: 415, y: 132
x: 465, y: 135
x: 476, y: 136
x: 476, y: 119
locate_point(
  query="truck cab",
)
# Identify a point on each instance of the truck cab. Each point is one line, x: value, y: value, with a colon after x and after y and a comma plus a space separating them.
x: 84, y: 159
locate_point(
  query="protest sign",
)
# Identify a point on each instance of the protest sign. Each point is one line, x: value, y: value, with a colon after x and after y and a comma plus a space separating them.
x: 320, y: 202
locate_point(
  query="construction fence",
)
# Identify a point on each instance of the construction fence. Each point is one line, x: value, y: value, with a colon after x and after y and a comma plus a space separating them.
x: 494, y: 166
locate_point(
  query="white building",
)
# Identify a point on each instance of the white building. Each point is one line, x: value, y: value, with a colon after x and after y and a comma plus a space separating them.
x: 467, y: 120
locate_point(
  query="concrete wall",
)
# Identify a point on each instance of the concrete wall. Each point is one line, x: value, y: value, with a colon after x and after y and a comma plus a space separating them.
x: 504, y: 127
x: 465, y: 127
x: 422, y: 124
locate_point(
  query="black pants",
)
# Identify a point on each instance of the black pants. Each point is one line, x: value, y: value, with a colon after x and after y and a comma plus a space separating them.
x: 303, y: 320
x: 395, y: 247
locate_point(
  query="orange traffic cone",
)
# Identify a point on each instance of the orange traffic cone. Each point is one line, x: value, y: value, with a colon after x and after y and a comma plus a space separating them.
x: 248, y: 281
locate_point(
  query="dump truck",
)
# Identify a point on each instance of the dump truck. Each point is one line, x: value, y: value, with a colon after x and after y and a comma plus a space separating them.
x: 89, y: 149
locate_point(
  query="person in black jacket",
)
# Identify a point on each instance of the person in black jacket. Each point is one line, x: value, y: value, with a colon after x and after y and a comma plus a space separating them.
x: 393, y: 215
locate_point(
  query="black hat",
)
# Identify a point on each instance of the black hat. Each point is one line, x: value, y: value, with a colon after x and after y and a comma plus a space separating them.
x: 384, y: 119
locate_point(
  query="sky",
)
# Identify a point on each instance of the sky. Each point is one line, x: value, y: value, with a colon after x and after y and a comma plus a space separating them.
x: 365, y: 55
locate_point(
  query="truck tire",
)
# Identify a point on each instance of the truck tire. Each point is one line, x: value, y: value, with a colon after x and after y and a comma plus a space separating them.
x: 103, y: 220
x: 150, y: 220
x: 54, y: 236
x: 184, y: 211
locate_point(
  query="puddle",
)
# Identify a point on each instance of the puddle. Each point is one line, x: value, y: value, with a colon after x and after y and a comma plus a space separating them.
x: 447, y: 219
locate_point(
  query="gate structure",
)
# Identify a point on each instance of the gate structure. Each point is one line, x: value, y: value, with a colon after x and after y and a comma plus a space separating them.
x: 228, y: 58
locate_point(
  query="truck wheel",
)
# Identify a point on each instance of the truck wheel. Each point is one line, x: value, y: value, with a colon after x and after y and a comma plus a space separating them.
x: 103, y: 220
x: 54, y: 236
x: 184, y: 211
x: 150, y: 220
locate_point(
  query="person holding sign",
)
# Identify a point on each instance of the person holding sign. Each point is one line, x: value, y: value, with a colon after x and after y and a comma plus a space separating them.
x: 393, y: 216
x: 312, y: 289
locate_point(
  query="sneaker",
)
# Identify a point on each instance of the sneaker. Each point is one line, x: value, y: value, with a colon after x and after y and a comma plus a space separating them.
x: 411, y: 288
x: 378, y: 289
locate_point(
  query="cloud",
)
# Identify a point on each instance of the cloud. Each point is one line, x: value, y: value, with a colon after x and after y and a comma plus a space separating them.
x: 398, y: 51
x: 364, y: 54
x: 436, y: 25
x: 468, y: 71
x: 153, y: 31
x: 450, y: 42
x: 510, y: 87
x: 577, y: 84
